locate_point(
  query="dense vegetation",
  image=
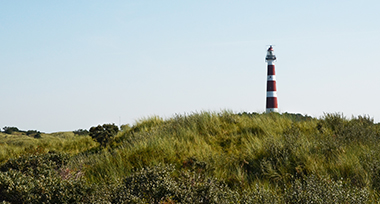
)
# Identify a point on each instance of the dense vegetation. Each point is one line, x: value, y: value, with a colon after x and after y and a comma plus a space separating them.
x: 199, y: 158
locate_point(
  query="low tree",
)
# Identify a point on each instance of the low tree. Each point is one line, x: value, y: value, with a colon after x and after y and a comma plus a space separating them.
x: 34, y: 133
x: 10, y: 130
x: 103, y: 133
x: 81, y: 132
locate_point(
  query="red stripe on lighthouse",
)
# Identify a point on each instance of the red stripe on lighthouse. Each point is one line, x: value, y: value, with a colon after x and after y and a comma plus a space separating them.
x: 271, y: 102
x: 271, y: 70
x: 271, y: 86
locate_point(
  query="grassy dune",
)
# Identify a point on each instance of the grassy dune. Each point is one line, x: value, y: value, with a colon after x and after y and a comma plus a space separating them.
x: 222, y: 158
x: 16, y: 144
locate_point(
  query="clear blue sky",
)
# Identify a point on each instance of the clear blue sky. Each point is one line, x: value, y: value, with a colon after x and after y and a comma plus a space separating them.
x: 66, y: 65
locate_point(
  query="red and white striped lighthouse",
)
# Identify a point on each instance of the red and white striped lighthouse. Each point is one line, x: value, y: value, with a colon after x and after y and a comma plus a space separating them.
x: 271, y: 82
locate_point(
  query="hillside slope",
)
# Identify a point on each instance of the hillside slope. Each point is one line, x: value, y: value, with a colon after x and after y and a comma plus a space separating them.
x: 228, y: 158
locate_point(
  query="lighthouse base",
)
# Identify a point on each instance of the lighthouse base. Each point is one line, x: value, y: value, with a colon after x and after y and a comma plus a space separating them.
x: 269, y: 110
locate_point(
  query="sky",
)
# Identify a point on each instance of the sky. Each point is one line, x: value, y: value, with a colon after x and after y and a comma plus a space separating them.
x: 68, y: 65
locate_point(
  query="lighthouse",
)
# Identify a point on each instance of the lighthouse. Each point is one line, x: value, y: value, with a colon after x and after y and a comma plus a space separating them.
x: 271, y: 82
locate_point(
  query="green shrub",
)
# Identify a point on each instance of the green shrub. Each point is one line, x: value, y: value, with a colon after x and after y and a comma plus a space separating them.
x: 163, y: 184
x: 324, y: 190
x: 158, y: 184
x: 81, y: 132
x: 34, y: 133
x: 104, y: 133
x: 10, y: 130
x: 42, y: 179
x: 36, y: 163
x: 16, y: 187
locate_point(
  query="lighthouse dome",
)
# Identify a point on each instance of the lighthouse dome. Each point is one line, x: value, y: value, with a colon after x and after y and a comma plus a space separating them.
x: 270, y: 54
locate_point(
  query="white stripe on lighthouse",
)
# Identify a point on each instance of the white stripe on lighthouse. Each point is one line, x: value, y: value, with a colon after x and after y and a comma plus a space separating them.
x: 270, y: 62
x: 271, y: 78
x: 272, y: 110
x: 271, y: 93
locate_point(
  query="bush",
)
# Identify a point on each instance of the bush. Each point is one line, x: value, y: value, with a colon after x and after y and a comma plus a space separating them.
x: 37, y: 163
x: 159, y: 185
x: 162, y: 184
x: 81, y: 132
x: 104, y: 134
x: 323, y: 190
x: 16, y: 187
x: 34, y: 133
x: 41, y: 179
x: 10, y: 130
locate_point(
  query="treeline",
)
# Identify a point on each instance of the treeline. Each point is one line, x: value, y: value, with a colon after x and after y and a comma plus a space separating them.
x: 13, y: 130
x: 103, y: 134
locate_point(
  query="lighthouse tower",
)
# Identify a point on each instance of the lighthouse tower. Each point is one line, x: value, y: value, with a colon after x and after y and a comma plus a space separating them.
x: 271, y: 82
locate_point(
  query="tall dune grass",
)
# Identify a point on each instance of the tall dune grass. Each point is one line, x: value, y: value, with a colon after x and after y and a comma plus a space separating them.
x: 14, y: 145
x: 246, y: 148
x: 285, y: 158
